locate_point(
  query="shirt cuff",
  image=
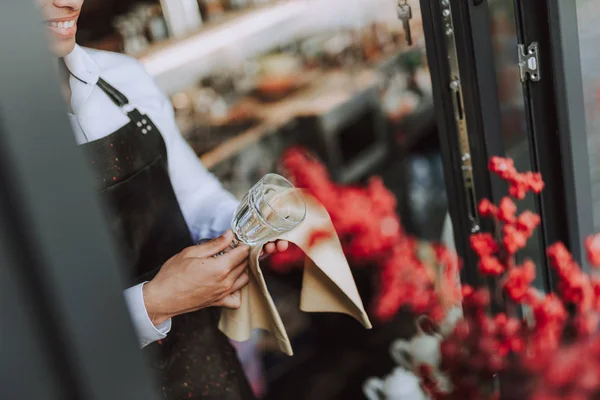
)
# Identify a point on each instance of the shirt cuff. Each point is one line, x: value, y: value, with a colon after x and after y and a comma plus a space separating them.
x: 146, y: 331
x: 219, y: 223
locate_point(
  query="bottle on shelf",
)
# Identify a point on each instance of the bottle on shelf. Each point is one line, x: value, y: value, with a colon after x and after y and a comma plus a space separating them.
x: 182, y: 16
x: 131, y: 29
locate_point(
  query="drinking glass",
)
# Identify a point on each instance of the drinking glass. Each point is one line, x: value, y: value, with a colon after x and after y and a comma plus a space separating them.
x: 272, y: 207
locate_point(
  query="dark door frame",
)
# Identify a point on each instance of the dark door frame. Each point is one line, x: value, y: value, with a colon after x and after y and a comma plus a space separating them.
x: 481, y: 111
x: 555, y: 117
x: 563, y: 41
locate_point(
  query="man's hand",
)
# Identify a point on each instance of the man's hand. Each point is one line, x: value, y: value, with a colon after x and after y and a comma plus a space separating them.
x: 273, y: 247
x: 194, y: 279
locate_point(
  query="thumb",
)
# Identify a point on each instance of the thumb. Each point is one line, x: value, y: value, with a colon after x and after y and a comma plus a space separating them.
x: 214, y: 246
x: 233, y: 300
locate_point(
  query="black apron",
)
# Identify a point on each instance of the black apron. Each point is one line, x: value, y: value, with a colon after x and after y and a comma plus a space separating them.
x: 195, y: 361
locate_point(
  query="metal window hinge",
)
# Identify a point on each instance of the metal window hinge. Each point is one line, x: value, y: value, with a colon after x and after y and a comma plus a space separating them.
x: 529, y: 62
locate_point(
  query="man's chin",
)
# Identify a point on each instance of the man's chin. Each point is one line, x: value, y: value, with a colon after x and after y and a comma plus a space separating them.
x: 62, y: 48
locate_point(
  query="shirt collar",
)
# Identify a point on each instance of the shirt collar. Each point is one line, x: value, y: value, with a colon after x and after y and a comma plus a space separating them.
x: 82, y: 66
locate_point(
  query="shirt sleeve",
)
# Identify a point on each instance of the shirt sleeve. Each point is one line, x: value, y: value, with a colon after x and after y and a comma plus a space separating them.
x: 206, y: 206
x: 146, y: 331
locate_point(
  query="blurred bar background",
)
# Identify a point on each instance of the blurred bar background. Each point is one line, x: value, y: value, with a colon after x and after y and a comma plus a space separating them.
x: 250, y: 79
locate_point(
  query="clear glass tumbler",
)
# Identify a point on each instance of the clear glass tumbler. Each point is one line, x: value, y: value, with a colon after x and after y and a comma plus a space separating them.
x: 272, y: 207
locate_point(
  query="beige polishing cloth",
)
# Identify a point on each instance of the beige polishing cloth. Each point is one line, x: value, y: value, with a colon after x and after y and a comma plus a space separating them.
x: 328, y: 285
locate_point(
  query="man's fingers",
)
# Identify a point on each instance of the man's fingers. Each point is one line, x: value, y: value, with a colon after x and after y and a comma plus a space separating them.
x: 270, y: 248
x: 219, y: 244
x: 282, y: 245
x: 212, y: 247
x: 234, y: 300
x: 236, y: 272
x: 236, y: 256
x: 240, y: 282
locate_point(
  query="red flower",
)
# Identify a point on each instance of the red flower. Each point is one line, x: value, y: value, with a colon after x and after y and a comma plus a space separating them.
x: 364, y: 217
x: 428, y: 381
x: 549, y: 310
x: 558, y: 253
x: 449, y: 259
x: 519, y: 280
x: 479, y: 298
x: 527, y: 222
x: 467, y: 291
x: 595, y: 282
x: 491, y: 266
x: 462, y: 330
x: 405, y: 281
x: 503, y: 167
x: 535, y: 181
x: 592, y: 245
x: 387, y: 306
x: 577, y: 289
x: 520, y: 184
x: 449, y: 349
x: 561, y: 259
x: 518, y: 188
x: 587, y: 323
x: 542, y: 357
x: 565, y: 372
x: 484, y: 244
x: 514, y: 240
x: 487, y: 208
x: 531, y: 297
x: 507, y: 210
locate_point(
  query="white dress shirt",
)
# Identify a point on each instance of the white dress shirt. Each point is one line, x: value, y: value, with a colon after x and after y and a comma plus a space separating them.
x: 206, y: 206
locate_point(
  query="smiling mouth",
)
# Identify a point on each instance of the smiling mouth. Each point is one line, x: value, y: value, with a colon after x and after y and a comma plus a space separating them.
x: 62, y: 24
x: 63, y: 28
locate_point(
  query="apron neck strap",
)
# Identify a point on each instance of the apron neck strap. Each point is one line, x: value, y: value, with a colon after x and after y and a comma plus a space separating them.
x: 117, y: 97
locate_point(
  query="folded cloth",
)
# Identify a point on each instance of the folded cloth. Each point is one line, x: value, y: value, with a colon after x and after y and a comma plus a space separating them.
x: 327, y: 286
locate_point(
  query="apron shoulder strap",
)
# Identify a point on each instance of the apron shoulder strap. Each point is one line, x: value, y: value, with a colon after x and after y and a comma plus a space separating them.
x: 120, y: 100
x: 117, y: 97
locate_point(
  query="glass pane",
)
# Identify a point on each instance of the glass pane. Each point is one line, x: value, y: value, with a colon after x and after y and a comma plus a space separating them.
x: 513, y: 113
x: 588, y: 12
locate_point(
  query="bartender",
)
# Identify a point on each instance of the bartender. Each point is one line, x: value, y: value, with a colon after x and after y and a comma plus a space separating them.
x: 160, y: 201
